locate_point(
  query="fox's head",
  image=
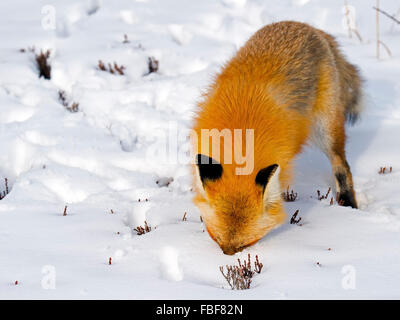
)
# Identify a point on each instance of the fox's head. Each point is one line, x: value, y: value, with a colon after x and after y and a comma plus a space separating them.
x: 237, y: 209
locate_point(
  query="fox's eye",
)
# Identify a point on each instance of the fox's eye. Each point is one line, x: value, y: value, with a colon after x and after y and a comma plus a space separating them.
x: 209, y: 169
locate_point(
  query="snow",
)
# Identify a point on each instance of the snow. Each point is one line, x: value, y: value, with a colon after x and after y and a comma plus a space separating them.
x: 128, y: 142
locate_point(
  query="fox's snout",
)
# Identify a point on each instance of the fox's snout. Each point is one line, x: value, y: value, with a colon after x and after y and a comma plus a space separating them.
x: 229, y: 247
x: 230, y: 250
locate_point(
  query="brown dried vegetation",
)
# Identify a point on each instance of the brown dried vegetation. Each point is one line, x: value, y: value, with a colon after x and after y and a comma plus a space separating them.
x: 111, y: 68
x: 294, y: 220
x: 142, y: 230
x: 239, y: 277
x: 153, y: 65
x: 332, y: 200
x: 43, y: 64
x: 289, y: 197
x: 41, y: 60
x: 323, y: 196
x: 62, y: 97
x: 384, y: 170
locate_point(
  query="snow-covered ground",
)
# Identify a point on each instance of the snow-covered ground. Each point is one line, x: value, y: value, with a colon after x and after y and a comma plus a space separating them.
x: 104, y: 158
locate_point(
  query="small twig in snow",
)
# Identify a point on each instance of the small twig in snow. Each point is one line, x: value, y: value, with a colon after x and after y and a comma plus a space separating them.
x: 43, y: 64
x: 293, y: 219
x: 383, y: 170
x: 289, y: 197
x: 142, y: 230
x: 153, y: 65
x: 387, y: 15
x: 321, y: 197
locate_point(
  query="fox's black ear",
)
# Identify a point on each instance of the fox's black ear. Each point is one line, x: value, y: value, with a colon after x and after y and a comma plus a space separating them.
x: 265, y: 174
x: 209, y: 169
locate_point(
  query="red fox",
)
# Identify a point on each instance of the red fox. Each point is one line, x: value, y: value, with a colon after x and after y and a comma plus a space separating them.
x: 289, y: 84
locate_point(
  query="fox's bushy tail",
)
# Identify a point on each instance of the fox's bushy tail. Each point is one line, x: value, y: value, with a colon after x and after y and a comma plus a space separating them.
x: 352, y: 93
x: 350, y: 82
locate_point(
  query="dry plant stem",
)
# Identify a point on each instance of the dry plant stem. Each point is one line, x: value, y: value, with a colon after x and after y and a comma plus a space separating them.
x: 382, y: 170
x: 227, y: 276
x: 393, y: 17
x: 101, y: 66
x: 74, y: 107
x: 112, y: 68
x: 396, y: 15
x: 119, y: 69
x: 258, y: 265
x: 43, y: 65
x: 142, y: 230
x: 347, y: 18
x: 349, y: 28
x: 357, y: 34
x: 377, y: 30
x: 236, y: 278
x: 184, y: 217
x: 386, y: 48
x: 153, y: 65
x: 289, y: 197
x: 239, y: 277
x: 378, y: 41
x: 293, y: 219
x: 65, y: 211
x: 321, y: 197
x: 63, y: 99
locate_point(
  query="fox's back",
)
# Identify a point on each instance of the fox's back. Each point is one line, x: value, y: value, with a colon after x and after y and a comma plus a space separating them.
x: 287, y: 57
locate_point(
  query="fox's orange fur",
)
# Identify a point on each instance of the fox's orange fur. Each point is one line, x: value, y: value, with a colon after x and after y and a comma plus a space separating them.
x: 290, y: 84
